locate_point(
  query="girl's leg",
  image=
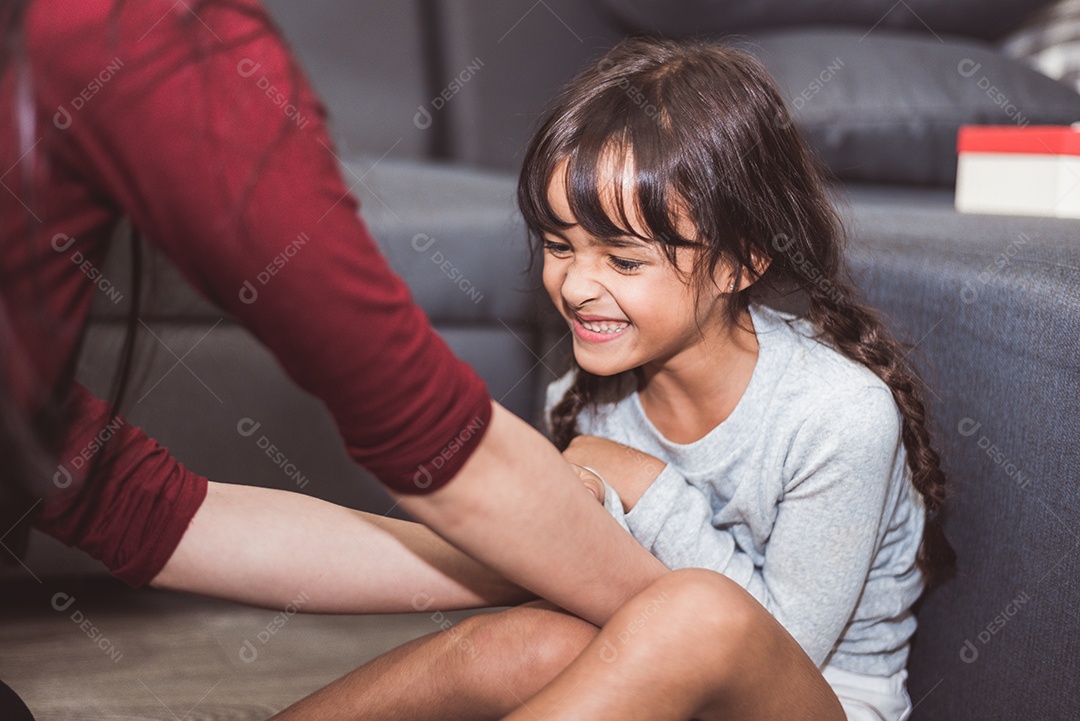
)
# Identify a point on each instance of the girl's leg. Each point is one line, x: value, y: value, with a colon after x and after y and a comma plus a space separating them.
x: 481, y: 668
x: 694, y: 644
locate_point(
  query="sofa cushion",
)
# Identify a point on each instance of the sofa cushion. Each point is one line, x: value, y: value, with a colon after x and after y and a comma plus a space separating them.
x: 367, y: 60
x: 528, y: 50
x: 885, y: 106
x: 978, y: 18
x: 452, y: 233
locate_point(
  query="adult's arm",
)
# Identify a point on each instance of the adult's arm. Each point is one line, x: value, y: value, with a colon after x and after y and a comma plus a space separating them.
x: 518, y: 506
x: 261, y: 546
x: 239, y: 186
x: 284, y: 546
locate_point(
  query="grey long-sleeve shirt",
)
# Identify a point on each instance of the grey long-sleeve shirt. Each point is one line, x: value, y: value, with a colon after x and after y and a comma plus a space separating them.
x: 802, y: 496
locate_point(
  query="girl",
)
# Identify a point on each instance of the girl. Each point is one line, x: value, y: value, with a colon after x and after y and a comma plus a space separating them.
x: 672, y: 199
x: 785, y: 452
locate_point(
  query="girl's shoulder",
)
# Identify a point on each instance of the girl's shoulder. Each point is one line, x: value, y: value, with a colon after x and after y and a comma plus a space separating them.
x: 810, y: 371
x: 825, y: 408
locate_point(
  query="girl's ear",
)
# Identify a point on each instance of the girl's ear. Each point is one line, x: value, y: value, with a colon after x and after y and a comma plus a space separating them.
x: 761, y: 263
x: 734, y: 282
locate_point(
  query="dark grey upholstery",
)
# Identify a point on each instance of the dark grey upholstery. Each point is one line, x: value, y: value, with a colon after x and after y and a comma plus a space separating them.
x: 885, y: 106
x: 978, y: 18
x: 528, y: 51
x: 992, y: 305
x: 369, y: 63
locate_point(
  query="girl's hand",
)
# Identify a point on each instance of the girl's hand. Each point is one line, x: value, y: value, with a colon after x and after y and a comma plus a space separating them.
x: 629, y: 471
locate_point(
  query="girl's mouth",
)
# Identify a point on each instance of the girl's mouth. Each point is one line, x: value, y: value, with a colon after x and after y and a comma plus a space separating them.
x: 598, y: 331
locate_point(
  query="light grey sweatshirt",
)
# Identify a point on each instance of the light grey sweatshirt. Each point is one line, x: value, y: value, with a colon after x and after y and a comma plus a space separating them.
x: 802, y: 496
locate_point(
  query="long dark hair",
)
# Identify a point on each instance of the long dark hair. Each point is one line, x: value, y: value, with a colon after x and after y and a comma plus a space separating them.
x: 29, y: 444
x: 709, y: 134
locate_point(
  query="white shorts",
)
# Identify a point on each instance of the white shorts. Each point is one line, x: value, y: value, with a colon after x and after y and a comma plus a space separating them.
x: 870, y: 698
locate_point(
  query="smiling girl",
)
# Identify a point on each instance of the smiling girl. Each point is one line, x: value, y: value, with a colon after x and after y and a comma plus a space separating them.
x: 779, y: 461
x: 796, y: 460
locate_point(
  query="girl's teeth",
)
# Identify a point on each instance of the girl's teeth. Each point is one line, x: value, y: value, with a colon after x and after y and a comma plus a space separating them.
x: 604, y: 327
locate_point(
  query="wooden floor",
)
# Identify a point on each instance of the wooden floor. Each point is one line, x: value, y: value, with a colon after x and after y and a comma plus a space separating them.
x: 114, y: 653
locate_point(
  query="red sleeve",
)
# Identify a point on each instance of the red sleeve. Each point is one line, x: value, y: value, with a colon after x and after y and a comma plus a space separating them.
x: 132, y: 518
x: 201, y: 128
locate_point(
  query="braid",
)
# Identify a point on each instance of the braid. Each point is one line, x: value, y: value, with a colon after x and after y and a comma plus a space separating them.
x: 858, y: 333
x: 581, y: 394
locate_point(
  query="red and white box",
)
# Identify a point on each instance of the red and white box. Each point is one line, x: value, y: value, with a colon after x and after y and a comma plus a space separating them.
x: 1010, y: 170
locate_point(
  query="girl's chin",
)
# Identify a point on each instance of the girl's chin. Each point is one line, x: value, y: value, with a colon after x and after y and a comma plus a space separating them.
x: 599, y: 367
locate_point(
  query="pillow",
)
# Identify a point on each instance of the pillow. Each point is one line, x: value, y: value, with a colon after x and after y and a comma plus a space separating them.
x: 885, y: 106
x: 987, y: 19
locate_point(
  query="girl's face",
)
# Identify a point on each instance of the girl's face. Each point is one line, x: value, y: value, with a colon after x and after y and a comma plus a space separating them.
x: 625, y: 303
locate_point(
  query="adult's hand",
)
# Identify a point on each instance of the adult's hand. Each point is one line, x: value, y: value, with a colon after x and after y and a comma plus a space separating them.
x: 592, y: 482
x: 516, y: 505
x: 626, y: 469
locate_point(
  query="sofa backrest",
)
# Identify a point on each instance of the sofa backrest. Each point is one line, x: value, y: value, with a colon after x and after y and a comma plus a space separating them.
x: 991, y: 305
x: 370, y: 63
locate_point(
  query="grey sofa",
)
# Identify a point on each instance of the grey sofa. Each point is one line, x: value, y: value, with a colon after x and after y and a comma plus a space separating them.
x: 991, y: 304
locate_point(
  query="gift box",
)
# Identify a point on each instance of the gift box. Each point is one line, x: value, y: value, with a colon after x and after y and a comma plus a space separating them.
x: 1012, y: 170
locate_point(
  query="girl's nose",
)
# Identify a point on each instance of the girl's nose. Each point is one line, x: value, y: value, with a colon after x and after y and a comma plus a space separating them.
x: 580, y: 285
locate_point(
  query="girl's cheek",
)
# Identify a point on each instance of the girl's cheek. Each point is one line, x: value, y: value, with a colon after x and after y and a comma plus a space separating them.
x: 551, y: 281
x: 639, y: 303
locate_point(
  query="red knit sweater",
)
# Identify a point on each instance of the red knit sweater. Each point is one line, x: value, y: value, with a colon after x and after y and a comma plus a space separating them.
x: 162, y: 114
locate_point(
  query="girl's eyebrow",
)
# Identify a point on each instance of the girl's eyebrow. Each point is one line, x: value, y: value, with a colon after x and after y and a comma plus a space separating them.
x: 622, y: 242
x: 616, y: 242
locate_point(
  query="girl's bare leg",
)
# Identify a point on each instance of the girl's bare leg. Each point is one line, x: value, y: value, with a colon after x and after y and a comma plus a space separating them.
x: 481, y: 668
x: 693, y: 645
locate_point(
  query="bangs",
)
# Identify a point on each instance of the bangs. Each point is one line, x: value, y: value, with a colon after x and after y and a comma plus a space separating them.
x: 661, y: 136
x: 614, y: 149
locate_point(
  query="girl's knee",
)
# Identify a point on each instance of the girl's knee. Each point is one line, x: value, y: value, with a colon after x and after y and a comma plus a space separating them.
x: 562, y: 638
x: 703, y: 603
x: 537, y: 641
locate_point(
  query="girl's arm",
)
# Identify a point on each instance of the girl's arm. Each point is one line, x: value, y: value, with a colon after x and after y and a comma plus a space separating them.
x: 270, y: 548
x: 827, y: 525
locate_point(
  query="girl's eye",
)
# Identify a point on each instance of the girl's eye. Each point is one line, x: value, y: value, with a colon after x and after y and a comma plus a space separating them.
x: 626, y: 265
x: 556, y: 248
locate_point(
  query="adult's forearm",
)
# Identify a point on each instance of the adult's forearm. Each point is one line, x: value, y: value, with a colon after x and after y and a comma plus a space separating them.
x: 520, y: 508
x: 270, y: 548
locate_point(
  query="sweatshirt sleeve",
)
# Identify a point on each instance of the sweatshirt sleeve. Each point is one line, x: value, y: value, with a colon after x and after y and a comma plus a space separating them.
x: 132, y: 518
x: 209, y: 137
x: 827, y: 523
